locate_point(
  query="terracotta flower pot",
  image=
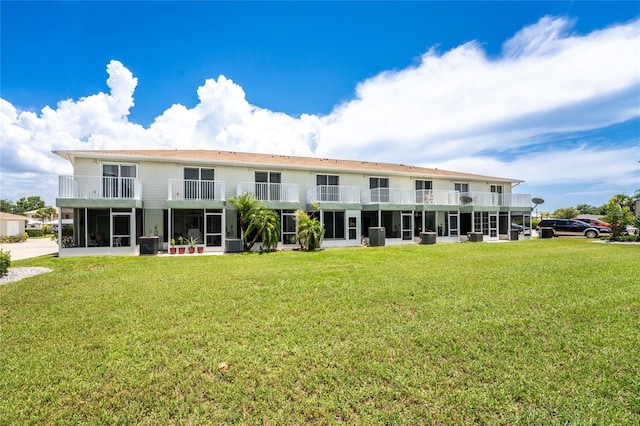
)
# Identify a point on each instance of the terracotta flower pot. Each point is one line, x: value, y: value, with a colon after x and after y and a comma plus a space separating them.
x: 181, y: 250
x: 200, y: 249
x: 192, y: 249
x: 172, y: 250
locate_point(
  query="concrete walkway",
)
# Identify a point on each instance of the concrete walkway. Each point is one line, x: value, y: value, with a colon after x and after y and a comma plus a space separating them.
x: 33, y: 247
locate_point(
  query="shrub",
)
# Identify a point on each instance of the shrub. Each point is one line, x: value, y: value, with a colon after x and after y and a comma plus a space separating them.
x: 35, y: 232
x: 11, y: 239
x: 5, y: 262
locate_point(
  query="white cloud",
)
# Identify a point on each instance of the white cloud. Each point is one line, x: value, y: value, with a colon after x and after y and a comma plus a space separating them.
x: 464, y: 102
x: 458, y: 110
x: 617, y: 167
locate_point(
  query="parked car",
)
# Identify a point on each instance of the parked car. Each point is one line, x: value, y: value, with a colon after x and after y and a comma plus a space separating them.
x: 520, y: 228
x: 591, y: 221
x: 572, y: 227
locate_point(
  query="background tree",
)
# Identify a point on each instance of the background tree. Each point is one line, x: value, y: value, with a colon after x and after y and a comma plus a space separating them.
x: 619, y: 214
x: 587, y: 209
x: 566, y: 213
x: 26, y: 204
x: 45, y: 213
x: 310, y: 231
x: 7, y: 206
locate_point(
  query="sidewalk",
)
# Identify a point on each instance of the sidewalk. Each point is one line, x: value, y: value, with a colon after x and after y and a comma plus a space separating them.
x: 31, y: 248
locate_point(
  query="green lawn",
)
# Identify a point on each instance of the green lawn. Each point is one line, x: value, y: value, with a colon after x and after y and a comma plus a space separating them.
x: 533, y: 332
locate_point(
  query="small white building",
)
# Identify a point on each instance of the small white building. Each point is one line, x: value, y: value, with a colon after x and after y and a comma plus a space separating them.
x: 12, y: 225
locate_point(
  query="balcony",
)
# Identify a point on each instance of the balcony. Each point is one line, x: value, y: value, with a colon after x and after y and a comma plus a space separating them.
x: 334, y: 194
x: 493, y: 199
x: 435, y: 197
x: 387, y: 196
x: 99, y: 188
x: 196, y: 190
x: 271, y: 192
x: 516, y: 200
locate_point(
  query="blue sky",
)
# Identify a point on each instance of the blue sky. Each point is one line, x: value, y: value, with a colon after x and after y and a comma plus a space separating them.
x: 547, y: 92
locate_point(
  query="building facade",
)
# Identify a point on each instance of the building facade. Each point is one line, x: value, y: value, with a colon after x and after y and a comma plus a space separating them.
x: 118, y: 197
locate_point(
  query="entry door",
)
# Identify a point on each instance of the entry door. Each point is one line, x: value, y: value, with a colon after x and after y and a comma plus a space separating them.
x: 121, y: 234
x: 493, y: 225
x: 407, y: 225
x: 454, y: 224
x: 213, y: 229
x: 353, y: 225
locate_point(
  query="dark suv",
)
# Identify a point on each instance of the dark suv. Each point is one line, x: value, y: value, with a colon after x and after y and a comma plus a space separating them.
x: 571, y: 227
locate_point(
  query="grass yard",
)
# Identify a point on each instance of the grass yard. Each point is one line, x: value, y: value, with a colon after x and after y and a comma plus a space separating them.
x: 533, y: 332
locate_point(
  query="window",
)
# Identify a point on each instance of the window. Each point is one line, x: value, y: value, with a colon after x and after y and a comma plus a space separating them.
x: 328, y: 187
x: 497, y: 199
x: 118, y: 180
x: 379, y: 189
x: 332, y: 180
x: 423, y: 184
x: 199, y: 183
x: 268, y: 185
x: 334, y: 225
x: 462, y: 187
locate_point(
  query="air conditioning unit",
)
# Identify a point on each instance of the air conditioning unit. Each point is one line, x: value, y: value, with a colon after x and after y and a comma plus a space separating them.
x: 376, y: 237
x: 232, y: 246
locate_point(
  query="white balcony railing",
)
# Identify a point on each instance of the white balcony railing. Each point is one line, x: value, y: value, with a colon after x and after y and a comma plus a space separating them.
x: 481, y: 198
x: 277, y: 192
x: 387, y: 196
x: 516, y: 200
x: 497, y: 200
x: 334, y: 194
x: 436, y: 197
x: 197, y: 190
x: 98, y: 187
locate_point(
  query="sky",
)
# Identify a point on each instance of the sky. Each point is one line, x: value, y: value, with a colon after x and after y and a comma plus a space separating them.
x: 544, y: 92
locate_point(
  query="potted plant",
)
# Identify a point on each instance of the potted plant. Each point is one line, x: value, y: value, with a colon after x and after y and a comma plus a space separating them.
x: 192, y: 241
x: 181, y: 248
x: 200, y: 249
x: 172, y: 249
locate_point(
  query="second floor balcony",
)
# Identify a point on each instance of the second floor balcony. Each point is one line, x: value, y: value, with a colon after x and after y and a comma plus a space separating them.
x: 196, y: 190
x: 271, y: 192
x: 491, y: 199
x: 334, y: 194
x: 99, y: 187
x: 387, y: 196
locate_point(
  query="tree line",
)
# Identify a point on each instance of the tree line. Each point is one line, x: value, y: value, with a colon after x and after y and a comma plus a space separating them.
x: 27, y: 204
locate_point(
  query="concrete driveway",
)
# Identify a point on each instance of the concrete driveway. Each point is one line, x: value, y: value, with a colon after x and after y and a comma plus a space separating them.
x: 33, y: 247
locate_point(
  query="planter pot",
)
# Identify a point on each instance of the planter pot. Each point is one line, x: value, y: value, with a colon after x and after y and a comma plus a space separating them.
x: 192, y: 249
x: 181, y: 250
x: 200, y: 249
x: 172, y: 250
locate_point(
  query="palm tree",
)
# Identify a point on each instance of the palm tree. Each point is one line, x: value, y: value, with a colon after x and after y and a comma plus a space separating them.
x: 245, y: 205
x: 256, y: 221
x: 310, y: 231
x: 266, y: 223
